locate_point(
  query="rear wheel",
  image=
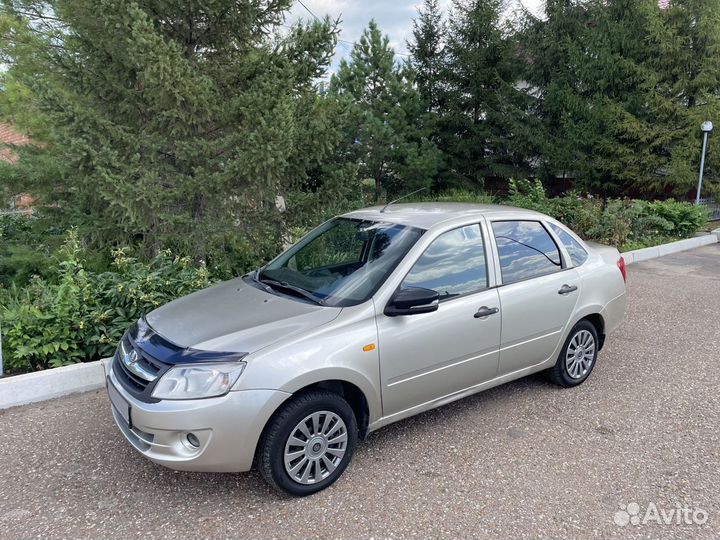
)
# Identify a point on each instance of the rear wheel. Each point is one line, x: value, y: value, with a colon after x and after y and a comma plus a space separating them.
x: 308, y: 444
x: 577, y: 357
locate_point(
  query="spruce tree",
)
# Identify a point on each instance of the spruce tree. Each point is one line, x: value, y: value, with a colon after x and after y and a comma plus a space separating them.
x: 389, y: 144
x: 485, y: 127
x: 552, y: 48
x: 688, y: 66
x: 427, y: 53
x: 177, y: 124
x: 618, y: 83
x: 627, y: 141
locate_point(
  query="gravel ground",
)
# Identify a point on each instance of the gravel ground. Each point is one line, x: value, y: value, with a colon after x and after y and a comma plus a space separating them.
x: 523, y: 460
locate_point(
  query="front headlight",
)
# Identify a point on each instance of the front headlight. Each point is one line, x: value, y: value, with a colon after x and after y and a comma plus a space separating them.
x: 198, y: 381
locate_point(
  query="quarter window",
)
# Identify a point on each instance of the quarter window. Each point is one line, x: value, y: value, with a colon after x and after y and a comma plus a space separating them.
x: 453, y: 265
x: 526, y: 250
x: 577, y: 254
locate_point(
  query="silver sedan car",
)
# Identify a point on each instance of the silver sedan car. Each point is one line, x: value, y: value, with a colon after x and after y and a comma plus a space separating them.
x: 374, y: 316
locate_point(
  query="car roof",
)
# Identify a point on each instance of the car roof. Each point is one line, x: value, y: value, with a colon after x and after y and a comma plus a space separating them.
x: 426, y: 215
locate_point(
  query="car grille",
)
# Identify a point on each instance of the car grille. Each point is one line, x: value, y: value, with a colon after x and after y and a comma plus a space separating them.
x: 134, y: 383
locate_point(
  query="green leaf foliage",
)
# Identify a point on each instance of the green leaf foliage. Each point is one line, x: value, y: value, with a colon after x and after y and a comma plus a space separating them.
x: 76, y: 315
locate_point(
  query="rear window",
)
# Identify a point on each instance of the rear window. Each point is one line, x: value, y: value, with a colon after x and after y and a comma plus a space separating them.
x: 526, y: 250
x: 578, y: 255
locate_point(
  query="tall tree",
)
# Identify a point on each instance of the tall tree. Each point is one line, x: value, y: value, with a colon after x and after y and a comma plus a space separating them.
x: 552, y: 47
x: 427, y: 53
x: 688, y: 64
x: 485, y: 127
x: 628, y: 139
x: 389, y: 144
x: 618, y: 83
x: 177, y: 123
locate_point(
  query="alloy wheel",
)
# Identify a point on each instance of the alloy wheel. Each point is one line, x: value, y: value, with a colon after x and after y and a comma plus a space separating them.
x: 315, y: 447
x: 580, y: 354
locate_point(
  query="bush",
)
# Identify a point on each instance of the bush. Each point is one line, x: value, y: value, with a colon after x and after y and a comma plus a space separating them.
x: 581, y: 214
x: 615, y: 223
x: 79, y: 315
x: 458, y: 196
x: 529, y: 195
x: 686, y: 218
x: 633, y: 224
x: 619, y: 222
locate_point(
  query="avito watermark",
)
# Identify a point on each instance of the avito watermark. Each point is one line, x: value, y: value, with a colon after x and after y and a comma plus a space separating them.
x: 633, y: 514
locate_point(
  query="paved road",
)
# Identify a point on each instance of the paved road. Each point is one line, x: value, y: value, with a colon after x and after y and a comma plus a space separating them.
x: 522, y: 460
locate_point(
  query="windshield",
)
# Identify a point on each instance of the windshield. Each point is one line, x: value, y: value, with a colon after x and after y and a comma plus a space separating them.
x: 341, y: 263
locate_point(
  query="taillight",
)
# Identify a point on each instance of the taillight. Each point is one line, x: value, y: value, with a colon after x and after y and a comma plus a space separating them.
x: 621, y: 266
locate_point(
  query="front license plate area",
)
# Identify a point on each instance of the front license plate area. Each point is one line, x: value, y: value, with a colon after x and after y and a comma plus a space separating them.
x: 121, y: 406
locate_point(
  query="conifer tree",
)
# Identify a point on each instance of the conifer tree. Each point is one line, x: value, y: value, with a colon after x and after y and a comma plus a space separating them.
x: 177, y: 124
x: 688, y: 66
x: 427, y: 53
x: 485, y: 128
x: 389, y: 142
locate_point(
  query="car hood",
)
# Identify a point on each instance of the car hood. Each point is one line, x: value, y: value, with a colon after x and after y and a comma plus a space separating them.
x: 234, y: 316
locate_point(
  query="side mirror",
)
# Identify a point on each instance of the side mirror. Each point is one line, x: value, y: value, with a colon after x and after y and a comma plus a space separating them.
x: 412, y: 302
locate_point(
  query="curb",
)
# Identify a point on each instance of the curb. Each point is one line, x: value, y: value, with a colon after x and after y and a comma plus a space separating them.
x: 51, y: 383
x: 645, y: 254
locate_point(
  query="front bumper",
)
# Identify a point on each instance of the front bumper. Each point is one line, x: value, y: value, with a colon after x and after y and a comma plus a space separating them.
x: 228, y: 428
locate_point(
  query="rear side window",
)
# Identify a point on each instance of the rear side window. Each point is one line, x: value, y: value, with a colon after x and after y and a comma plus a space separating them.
x: 453, y: 264
x: 526, y: 250
x: 577, y: 254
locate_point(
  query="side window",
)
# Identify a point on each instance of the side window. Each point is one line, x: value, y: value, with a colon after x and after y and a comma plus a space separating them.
x: 526, y: 250
x: 454, y: 264
x: 577, y: 254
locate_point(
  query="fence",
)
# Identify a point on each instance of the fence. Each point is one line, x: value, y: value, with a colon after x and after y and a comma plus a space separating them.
x: 712, y: 206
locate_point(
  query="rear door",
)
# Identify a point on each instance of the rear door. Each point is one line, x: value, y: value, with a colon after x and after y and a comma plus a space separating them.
x: 538, y: 292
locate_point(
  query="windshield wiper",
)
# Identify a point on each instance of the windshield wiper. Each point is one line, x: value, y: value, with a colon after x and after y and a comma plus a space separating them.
x: 287, y: 286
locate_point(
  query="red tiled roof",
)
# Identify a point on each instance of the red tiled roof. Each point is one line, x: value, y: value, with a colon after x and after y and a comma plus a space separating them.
x: 8, y: 135
x: 9, y: 138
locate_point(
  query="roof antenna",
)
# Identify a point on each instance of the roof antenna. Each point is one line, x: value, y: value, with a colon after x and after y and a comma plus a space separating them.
x: 401, y: 198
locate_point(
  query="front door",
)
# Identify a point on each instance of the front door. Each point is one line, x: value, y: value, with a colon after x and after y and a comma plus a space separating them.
x: 428, y: 356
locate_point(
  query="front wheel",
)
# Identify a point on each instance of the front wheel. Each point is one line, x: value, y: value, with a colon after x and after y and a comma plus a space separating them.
x: 577, y: 357
x: 308, y: 444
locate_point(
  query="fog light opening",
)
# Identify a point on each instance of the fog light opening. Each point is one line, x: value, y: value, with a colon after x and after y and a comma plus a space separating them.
x: 193, y: 440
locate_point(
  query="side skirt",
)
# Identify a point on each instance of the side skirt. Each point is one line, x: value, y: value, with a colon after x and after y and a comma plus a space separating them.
x: 439, y: 402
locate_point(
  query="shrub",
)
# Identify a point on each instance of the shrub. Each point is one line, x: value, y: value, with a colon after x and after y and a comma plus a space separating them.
x: 80, y: 315
x: 529, y: 195
x: 459, y: 196
x: 620, y: 222
x: 686, y: 218
x: 581, y: 214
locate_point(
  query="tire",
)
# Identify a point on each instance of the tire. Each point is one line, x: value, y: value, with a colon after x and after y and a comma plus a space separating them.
x: 325, y: 454
x: 577, y: 357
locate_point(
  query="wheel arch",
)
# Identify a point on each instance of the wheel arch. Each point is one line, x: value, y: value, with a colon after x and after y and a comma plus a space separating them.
x: 351, y: 385
x: 596, y: 319
x: 352, y: 394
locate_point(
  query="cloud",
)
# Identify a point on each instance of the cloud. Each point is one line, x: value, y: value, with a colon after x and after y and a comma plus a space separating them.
x: 394, y: 18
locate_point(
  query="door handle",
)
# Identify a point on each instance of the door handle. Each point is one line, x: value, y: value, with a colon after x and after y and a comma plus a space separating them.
x: 485, y: 312
x: 567, y: 289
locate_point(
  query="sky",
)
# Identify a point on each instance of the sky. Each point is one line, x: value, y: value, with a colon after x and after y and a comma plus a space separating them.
x: 394, y: 17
